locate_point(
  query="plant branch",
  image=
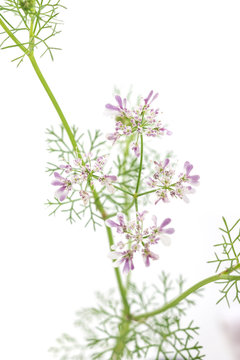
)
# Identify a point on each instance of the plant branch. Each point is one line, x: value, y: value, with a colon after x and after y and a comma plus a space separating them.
x: 55, y: 104
x: 139, y: 175
x: 221, y: 276
x: 13, y: 37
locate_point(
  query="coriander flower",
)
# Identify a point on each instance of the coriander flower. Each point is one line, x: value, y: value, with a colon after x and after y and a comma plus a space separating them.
x: 65, y: 186
x: 82, y: 174
x: 140, y: 120
x: 147, y: 255
x: 167, y: 184
x: 136, y: 238
x: 125, y: 257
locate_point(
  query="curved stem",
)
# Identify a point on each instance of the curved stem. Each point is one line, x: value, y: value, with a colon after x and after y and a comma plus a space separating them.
x: 222, y: 276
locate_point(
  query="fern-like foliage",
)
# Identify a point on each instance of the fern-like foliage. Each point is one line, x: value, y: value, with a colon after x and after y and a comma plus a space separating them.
x: 59, y: 144
x: 227, y: 258
x: 125, y: 167
x: 167, y: 336
x: 34, y: 22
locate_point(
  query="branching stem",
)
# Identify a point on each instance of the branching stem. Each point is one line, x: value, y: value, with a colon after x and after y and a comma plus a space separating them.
x: 13, y: 37
x: 221, y: 276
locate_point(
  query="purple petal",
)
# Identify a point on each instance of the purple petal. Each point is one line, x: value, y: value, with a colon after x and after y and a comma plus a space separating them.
x: 168, y: 132
x: 194, y: 178
x: 112, y: 107
x: 166, y: 162
x: 165, y: 223
x: 120, y: 217
x: 169, y: 231
x: 146, y: 260
x: 148, y: 98
x: 112, y: 177
x: 119, y: 101
x: 126, y: 267
x: 112, y: 136
x: 56, y: 183
x: 154, y: 98
x: 58, y: 176
x: 111, y: 223
x: 188, y: 167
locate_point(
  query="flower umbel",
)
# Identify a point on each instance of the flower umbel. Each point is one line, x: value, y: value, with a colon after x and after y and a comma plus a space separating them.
x: 137, y: 239
x: 83, y: 173
x: 141, y: 120
x: 166, y: 183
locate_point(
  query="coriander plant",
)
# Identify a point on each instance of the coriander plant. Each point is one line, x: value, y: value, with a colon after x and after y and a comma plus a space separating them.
x: 134, y: 323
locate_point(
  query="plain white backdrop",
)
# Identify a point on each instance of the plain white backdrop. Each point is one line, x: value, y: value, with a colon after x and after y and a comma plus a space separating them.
x: 188, y: 51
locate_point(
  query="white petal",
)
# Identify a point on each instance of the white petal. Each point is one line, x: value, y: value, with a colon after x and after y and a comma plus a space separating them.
x: 166, y: 240
x: 114, y: 255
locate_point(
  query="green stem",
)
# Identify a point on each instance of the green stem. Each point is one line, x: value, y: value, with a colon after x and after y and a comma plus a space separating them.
x: 222, y: 276
x: 147, y: 192
x: 55, y: 104
x: 139, y: 176
x: 118, y: 277
x: 125, y: 191
x: 140, y: 167
x: 230, y: 240
x: 13, y: 37
x: 121, y: 340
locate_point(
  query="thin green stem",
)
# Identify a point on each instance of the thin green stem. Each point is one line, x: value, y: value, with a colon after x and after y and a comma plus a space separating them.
x: 140, y: 166
x: 229, y: 237
x: 147, y: 192
x: 139, y: 176
x: 55, y: 104
x: 125, y: 191
x: 31, y: 36
x: 118, y: 276
x: 13, y: 37
x: 222, y: 276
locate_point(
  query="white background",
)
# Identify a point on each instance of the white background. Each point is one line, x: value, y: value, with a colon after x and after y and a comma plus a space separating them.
x: 188, y: 51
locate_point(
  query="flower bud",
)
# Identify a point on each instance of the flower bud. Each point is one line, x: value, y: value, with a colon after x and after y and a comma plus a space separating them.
x: 28, y: 6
